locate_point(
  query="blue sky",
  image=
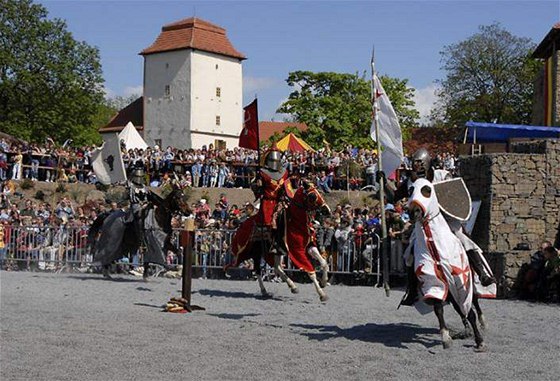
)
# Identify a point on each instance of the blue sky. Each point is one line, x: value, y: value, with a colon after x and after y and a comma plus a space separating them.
x: 283, y: 36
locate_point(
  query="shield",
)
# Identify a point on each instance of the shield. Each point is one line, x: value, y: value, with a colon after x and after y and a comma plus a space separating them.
x: 454, y: 198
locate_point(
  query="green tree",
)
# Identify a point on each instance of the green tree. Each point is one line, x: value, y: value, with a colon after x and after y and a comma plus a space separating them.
x: 337, y: 106
x: 50, y: 84
x: 489, y: 78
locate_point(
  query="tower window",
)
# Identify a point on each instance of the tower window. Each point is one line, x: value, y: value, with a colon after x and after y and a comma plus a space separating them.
x: 218, y: 120
x: 218, y: 92
x: 167, y: 90
x: 216, y: 66
x: 167, y: 65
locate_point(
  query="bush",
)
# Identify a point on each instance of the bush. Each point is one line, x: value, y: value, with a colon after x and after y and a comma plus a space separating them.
x: 60, y: 188
x: 206, y: 196
x: 344, y: 200
x: 102, y: 187
x: 40, y: 195
x: 27, y: 184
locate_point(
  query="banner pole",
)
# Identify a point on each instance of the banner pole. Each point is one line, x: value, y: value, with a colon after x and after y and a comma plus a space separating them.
x: 384, y: 240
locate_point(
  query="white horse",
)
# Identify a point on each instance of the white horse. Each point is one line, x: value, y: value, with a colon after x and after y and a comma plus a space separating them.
x: 440, y: 261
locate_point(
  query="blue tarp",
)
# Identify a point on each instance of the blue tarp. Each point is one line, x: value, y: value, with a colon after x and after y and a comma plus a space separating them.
x: 490, y: 132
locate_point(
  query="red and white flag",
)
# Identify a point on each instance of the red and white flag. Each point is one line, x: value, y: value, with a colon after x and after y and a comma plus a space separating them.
x: 390, y: 135
x: 249, y: 137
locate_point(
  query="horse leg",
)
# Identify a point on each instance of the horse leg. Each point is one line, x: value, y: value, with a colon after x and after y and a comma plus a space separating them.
x: 314, y: 252
x: 280, y: 272
x: 445, y: 337
x: 106, y: 274
x: 146, y: 272
x: 479, y: 340
x: 322, y: 295
x: 467, y: 332
x: 481, y: 318
x: 257, y: 269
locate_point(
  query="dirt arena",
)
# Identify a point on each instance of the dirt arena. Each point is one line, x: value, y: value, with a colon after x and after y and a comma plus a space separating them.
x: 80, y: 326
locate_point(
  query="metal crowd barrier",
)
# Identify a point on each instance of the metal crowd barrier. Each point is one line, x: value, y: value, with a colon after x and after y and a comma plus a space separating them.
x: 54, y: 248
x: 46, y: 247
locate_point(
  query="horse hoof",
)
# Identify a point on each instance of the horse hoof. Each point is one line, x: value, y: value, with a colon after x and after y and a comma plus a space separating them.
x: 294, y: 290
x: 483, y: 323
x: 324, y: 298
x: 464, y: 334
x: 481, y: 348
x: 446, y: 339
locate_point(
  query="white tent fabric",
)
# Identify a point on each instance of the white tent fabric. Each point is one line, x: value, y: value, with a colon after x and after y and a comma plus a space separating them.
x: 132, y: 138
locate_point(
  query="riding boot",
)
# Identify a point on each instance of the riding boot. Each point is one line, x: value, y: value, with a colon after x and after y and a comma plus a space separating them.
x: 486, y: 279
x: 411, y: 295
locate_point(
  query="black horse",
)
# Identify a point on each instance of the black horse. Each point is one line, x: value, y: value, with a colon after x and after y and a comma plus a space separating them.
x: 112, y: 235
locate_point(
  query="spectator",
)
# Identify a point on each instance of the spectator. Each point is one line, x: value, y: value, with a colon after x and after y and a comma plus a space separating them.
x: 3, y: 164
x: 16, y: 168
x: 323, y: 182
x: 64, y: 210
x: 548, y: 288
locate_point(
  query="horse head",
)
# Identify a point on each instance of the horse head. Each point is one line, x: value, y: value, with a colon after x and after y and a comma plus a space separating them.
x: 177, y: 200
x: 313, y: 199
x: 423, y: 204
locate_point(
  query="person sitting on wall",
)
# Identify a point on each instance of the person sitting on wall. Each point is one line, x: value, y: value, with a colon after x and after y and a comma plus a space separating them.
x: 530, y: 274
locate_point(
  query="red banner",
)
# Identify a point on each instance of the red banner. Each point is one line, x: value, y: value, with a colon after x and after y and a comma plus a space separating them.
x: 249, y: 137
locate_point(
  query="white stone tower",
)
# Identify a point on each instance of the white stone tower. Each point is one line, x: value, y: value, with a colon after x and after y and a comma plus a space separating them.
x: 193, y: 87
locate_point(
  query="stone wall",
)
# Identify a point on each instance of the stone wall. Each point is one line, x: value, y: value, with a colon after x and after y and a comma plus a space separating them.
x: 520, y: 194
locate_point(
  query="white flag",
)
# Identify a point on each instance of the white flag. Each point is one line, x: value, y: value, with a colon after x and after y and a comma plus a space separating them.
x: 390, y: 135
x: 107, y: 161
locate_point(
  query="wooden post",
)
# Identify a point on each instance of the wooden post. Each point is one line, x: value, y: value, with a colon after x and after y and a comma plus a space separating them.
x: 187, y: 238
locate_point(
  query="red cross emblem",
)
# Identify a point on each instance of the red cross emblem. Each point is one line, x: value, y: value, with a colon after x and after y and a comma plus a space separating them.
x: 464, y: 273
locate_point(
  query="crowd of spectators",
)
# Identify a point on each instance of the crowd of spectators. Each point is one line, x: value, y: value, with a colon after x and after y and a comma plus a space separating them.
x: 350, y: 168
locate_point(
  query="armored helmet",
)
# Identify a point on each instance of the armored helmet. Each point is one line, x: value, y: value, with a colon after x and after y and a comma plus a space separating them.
x: 138, y: 176
x: 272, y: 159
x: 421, y: 162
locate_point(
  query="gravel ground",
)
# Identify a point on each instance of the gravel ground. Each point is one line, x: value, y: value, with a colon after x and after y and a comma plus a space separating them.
x: 79, y: 326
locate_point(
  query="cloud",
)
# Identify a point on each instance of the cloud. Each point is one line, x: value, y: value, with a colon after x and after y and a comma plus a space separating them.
x: 279, y: 117
x: 254, y: 84
x: 133, y: 90
x: 425, y: 99
x: 108, y: 92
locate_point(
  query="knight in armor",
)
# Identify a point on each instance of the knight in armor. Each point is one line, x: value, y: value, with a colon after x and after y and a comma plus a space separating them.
x: 422, y: 168
x: 270, y: 187
x: 138, y: 196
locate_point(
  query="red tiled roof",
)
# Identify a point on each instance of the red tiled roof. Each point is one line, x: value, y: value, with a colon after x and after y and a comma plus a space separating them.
x: 267, y: 129
x: 193, y: 33
x: 435, y: 140
x: 134, y: 113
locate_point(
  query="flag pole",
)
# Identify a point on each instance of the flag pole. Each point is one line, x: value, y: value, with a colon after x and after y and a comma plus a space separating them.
x: 258, y: 136
x: 384, y: 240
